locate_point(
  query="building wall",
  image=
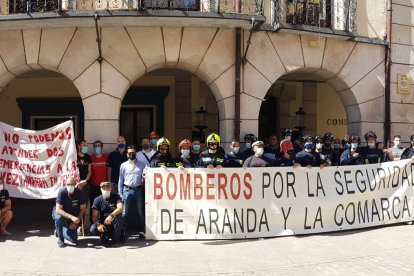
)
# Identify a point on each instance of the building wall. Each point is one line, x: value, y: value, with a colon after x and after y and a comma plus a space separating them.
x: 354, y: 70
x: 371, y: 18
x: 402, y: 55
x: 39, y: 87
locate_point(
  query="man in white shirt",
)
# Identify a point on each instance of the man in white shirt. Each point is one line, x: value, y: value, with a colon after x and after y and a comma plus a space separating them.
x: 397, y: 149
x: 146, y: 153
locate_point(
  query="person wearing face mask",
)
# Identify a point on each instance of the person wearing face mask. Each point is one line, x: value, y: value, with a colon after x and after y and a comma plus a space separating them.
x: 115, y: 159
x: 409, y: 152
x: 232, y: 159
x: 131, y: 188
x: 98, y: 172
x: 257, y: 159
x: 184, y: 159
x: 396, y: 150
x: 212, y: 157
x: 336, y: 152
x: 196, y: 148
x: 287, y: 155
x: 70, y: 208
x: 147, y: 151
x: 162, y: 158
x: 107, y: 215
x: 307, y: 158
x: 249, y: 139
x: 84, y: 164
x: 351, y: 156
x: 371, y: 154
x: 6, y: 213
x: 323, y: 149
x: 153, y: 137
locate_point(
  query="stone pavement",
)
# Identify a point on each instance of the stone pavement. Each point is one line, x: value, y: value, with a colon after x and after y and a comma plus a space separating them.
x: 375, y: 251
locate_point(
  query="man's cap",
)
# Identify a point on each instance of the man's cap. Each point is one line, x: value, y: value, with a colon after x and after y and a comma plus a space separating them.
x: 258, y: 143
x: 285, y: 145
x: 106, y: 183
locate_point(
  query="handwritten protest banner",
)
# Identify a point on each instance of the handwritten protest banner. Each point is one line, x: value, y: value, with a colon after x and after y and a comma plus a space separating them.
x: 35, y: 164
x: 266, y: 202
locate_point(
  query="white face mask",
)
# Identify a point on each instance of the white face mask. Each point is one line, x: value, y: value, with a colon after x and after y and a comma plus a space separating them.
x: 371, y: 145
x: 1, y: 187
x: 319, y: 146
x: 288, y: 137
x: 70, y: 188
x: 105, y: 193
x: 397, y: 143
x: 259, y: 151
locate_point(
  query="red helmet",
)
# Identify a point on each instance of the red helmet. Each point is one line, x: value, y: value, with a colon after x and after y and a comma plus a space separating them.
x: 153, y: 134
x: 370, y: 134
x: 184, y: 142
x: 354, y: 139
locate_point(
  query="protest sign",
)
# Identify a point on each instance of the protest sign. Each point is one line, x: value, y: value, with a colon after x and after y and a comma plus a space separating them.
x: 35, y: 164
x: 268, y: 202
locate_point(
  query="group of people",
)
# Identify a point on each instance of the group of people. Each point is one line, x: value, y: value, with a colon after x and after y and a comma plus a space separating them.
x: 114, y: 182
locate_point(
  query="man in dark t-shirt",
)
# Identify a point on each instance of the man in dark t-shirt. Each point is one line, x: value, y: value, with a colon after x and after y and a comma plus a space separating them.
x: 115, y: 159
x: 70, y: 208
x: 107, y: 215
x: 6, y: 213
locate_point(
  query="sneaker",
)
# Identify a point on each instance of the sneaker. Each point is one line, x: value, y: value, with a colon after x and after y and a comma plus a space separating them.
x: 141, y: 235
x: 4, y: 232
x: 61, y: 243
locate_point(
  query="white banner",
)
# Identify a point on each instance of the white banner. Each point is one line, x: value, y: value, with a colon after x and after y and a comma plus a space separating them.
x: 268, y: 202
x: 35, y: 164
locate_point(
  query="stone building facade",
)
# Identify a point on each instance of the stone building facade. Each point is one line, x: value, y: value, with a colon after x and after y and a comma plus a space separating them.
x: 336, y: 72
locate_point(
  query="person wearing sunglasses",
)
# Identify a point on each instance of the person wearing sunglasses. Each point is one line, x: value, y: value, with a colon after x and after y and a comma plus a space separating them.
x: 162, y: 158
x: 212, y: 157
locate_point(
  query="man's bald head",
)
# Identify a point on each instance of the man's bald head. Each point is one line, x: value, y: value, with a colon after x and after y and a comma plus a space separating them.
x: 70, y: 181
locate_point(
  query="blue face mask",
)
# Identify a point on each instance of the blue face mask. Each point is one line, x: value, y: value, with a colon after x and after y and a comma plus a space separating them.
x: 121, y: 145
x: 185, y: 152
x: 97, y: 150
x: 153, y: 141
x: 336, y: 146
x: 354, y: 146
x: 346, y: 146
x: 308, y: 146
x: 196, y: 147
x: 236, y: 150
x: 248, y: 145
x: 84, y: 150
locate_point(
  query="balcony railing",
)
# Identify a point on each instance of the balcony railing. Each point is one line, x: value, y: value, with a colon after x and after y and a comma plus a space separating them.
x: 247, y: 7
x: 334, y: 14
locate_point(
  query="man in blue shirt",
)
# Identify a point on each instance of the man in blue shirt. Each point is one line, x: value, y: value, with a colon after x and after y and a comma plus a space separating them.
x: 107, y: 215
x: 70, y: 208
x: 131, y: 187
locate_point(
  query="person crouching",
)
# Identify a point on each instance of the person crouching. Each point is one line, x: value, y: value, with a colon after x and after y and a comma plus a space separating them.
x: 107, y: 215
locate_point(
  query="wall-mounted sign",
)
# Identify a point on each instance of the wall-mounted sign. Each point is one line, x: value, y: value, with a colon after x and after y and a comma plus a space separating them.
x: 404, y: 82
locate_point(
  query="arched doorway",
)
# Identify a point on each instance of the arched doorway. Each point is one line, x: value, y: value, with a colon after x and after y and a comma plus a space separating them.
x: 311, y: 90
x: 37, y: 100
x: 165, y: 100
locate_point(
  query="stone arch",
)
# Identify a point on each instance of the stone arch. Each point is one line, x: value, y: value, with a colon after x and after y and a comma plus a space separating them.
x: 360, y: 85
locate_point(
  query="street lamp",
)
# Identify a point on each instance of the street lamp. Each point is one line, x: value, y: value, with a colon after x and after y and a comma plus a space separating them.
x: 201, y: 123
x: 299, y: 117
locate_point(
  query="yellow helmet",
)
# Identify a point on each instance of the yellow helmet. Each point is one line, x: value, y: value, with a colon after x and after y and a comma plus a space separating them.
x: 213, y: 138
x: 162, y: 141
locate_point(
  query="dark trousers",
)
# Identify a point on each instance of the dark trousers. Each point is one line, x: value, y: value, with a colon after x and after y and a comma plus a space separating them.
x: 114, y: 231
x: 94, y: 191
